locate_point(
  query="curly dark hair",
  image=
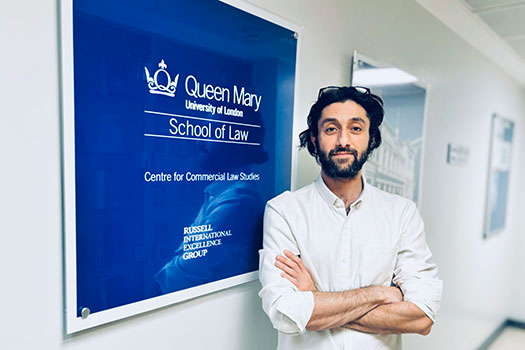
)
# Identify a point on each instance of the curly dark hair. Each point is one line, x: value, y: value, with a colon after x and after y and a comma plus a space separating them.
x: 372, y: 104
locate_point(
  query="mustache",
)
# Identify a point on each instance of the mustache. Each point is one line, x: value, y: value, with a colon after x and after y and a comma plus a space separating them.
x: 343, y: 150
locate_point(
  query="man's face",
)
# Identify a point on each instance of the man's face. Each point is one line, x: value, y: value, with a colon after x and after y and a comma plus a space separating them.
x: 342, y: 139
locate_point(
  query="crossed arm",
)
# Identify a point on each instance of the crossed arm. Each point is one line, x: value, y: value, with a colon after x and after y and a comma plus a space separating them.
x: 374, y: 309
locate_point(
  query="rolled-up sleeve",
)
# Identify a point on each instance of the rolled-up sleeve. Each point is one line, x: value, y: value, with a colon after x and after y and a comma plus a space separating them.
x: 289, y: 310
x: 414, y: 273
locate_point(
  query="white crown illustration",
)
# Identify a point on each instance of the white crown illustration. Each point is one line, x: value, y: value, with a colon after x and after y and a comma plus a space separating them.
x: 153, y: 84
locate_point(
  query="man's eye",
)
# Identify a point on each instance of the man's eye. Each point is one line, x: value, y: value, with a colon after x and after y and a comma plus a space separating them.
x: 356, y: 128
x: 330, y: 129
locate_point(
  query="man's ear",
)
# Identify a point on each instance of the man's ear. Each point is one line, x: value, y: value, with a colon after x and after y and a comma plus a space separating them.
x: 313, y: 138
x: 373, y: 143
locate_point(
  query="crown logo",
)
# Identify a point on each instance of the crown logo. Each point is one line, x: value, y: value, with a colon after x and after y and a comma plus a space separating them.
x: 153, y: 83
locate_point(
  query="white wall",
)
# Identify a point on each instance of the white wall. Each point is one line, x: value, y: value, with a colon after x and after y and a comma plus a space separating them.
x: 465, y: 89
x: 518, y: 302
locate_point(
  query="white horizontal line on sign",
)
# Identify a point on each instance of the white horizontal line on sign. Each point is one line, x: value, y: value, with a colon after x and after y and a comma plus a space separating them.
x: 197, y: 139
x: 209, y: 120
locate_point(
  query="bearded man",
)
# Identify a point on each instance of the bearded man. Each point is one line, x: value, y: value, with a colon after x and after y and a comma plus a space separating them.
x: 345, y: 265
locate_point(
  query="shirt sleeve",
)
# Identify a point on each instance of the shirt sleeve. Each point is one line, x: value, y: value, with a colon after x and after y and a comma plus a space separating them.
x: 289, y: 310
x: 414, y: 273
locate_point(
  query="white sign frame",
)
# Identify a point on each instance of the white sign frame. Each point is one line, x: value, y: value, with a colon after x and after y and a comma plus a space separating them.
x: 73, y: 323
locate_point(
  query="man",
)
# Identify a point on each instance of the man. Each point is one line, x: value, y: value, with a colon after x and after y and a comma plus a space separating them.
x: 345, y: 265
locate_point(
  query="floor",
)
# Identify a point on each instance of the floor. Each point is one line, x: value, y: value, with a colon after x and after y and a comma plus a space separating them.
x: 512, y: 338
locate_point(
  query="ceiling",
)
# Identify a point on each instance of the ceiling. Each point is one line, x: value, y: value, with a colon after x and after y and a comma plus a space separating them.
x: 494, y: 27
x: 505, y: 17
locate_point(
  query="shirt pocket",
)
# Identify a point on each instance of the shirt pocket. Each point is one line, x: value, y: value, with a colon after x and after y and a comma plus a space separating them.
x: 376, y: 265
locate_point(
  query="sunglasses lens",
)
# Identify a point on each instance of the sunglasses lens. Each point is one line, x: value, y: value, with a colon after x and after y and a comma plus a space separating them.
x: 327, y: 90
x: 330, y: 89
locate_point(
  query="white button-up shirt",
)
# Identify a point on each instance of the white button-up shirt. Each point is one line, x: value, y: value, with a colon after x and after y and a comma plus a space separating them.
x: 379, y: 242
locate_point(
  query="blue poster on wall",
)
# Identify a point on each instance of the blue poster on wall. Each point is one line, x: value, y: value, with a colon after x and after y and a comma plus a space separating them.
x: 500, y: 160
x: 183, y: 117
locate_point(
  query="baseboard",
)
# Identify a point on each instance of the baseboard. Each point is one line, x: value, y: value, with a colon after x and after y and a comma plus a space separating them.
x: 514, y: 323
x: 507, y: 323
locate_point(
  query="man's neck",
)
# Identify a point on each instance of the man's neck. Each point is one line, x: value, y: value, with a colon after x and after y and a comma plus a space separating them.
x: 348, y: 190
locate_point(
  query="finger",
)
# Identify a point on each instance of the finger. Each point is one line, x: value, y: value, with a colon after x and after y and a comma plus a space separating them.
x: 286, y: 269
x: 293, y: 257
x: 291, y: 279
x: 287, y: 262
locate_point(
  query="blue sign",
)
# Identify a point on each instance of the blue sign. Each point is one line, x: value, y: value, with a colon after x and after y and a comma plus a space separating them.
x: 183, y: 130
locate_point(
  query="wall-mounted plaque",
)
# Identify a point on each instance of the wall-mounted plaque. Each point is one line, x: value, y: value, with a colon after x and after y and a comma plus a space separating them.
x: 457, y: 154
x: 500, y: 158
x: 177, y: 129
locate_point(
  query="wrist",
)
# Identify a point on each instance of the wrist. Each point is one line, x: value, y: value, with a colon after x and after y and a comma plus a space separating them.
x: 383, y: 295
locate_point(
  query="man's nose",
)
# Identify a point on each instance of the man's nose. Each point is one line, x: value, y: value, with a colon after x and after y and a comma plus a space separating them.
x: 344, y: 138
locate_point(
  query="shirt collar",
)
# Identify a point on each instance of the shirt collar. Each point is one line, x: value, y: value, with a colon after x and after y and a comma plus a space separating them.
x: 332, y: 200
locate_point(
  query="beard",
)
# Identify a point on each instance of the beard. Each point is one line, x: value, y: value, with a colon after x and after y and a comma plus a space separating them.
x: 342, y: 169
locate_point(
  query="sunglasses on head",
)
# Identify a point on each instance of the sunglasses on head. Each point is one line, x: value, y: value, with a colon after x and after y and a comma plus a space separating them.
x: 329, y: 89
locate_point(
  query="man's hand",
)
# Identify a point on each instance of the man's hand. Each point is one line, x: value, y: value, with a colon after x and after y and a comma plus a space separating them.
x: 341, y: 309
x: 392, y: 295
x: 295, y: 271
